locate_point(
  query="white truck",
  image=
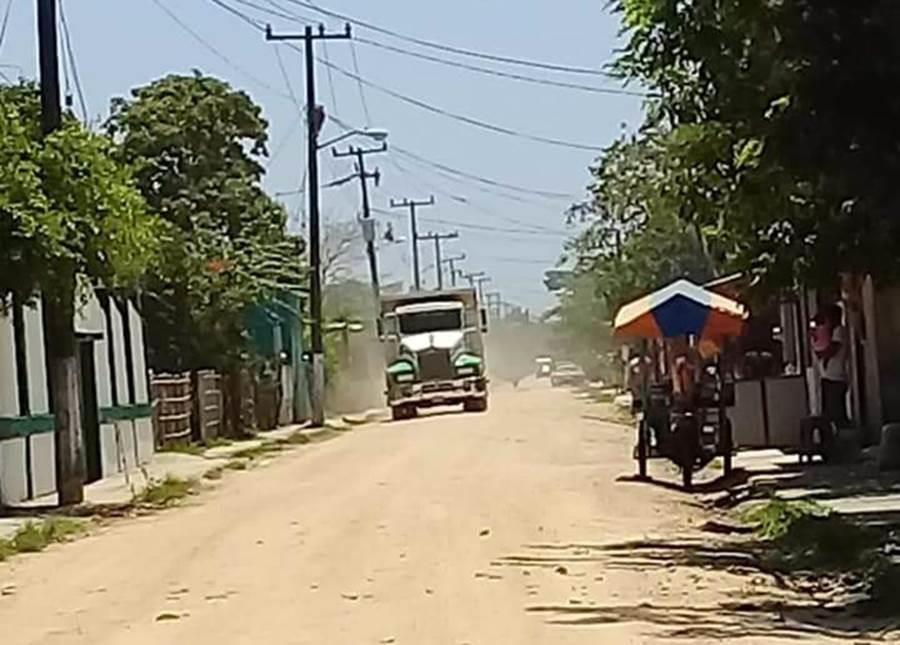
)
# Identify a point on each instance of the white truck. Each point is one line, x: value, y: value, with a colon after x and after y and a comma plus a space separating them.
x: 434, y: 351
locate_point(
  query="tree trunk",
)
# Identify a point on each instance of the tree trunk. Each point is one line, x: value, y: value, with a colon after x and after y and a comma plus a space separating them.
x: 65, y: 387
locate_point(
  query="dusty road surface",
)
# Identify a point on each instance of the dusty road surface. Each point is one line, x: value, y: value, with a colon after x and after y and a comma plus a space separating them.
x: 499, y: 529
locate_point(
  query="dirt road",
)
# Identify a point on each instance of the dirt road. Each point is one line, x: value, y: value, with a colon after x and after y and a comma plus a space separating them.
x: 504, y: 528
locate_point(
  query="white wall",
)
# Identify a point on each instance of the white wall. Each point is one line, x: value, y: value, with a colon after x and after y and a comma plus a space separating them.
x: 43, y: 464
x: 141, y: 395
x: 37, y: 367
x: 13, y: 477
x: 9, y: 382
x: 118, y: 335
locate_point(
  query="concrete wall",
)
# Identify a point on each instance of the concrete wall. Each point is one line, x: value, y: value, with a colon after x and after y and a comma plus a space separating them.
x: 27, y: 464
x: 9, y: 385
x: 37, y: 367
x: 141, y: 389
x: 13, y: 474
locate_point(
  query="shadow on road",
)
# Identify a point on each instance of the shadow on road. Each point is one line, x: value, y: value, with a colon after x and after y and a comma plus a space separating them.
x: 775, y: 609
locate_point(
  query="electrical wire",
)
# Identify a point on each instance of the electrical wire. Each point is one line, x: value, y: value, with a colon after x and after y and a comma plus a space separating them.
x: 424, y: 105
x: 5, y: 26
x: 493, y: 72
x: 67, y: 42
x: 362, y: 89
x: 212, y: 49
x: 510, y: 60
x: 330, y: 76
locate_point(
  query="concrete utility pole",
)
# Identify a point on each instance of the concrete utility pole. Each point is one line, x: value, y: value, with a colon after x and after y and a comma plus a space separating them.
x: 315, y: 119
x: 495, y: 304
x: 412, y: 204
x: 58, y: 299
x: 480, y: 281
x: 454, y: 272
x: 367, y: 222
x: 438, y: 263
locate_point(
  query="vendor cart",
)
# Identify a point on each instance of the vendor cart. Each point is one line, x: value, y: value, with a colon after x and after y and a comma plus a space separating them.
x: 684, y: 420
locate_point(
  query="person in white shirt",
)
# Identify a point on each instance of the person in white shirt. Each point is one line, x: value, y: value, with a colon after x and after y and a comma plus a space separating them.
x: 832, y: 362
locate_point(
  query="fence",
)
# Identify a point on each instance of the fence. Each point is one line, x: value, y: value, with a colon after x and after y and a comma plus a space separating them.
x: 172, y: 407
x: 208, y: 405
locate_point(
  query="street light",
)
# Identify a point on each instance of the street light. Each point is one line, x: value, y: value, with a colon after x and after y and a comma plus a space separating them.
x: 376, y: 134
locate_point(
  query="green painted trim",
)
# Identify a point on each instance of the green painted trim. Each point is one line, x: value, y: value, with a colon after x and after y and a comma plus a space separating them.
x: 401, y: 367
x: 468, y: 360
x: 125, y: 413
x: 19, y: 427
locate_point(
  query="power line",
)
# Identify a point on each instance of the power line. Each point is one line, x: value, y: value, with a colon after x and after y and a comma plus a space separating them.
x: 6, y: 14
x: 67, y: 41
x: 501, y: 74
x: 362, y: 89
x: 211, y: 48
x: 479, y: 227
x: 283, y: 13
x: 452, y: 49
x: 478, y: 123
x: 483, y: 180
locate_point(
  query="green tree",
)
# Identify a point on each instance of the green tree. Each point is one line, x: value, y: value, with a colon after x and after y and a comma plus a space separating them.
x: 68, y: 211
x: 197, y: 146
x: 798, y: 93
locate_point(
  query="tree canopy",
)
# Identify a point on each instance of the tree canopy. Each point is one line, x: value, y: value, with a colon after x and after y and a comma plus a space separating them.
x: 67, y: 207
x: 197, y: 147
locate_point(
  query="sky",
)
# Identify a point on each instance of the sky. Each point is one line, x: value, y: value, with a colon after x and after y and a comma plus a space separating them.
x: 511, y: 235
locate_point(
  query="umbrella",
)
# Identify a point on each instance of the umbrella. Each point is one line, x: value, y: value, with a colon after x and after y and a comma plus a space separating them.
x: 681, y: 309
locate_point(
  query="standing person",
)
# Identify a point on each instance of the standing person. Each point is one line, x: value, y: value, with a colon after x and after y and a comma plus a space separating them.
x: 832, y: 364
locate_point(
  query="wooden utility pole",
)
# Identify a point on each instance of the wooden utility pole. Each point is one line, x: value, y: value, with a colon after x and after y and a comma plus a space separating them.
x: 58, y: 297
x: 438, y: 263
x: 368, y: 224
x: 454, y: 272
x: 411, y: 204
x: 315, y: 119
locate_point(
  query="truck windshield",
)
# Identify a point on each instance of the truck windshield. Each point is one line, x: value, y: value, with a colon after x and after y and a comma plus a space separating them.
x: 425, y: 322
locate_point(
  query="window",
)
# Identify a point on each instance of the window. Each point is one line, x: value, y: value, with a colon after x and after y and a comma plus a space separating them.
x: 430, y: 321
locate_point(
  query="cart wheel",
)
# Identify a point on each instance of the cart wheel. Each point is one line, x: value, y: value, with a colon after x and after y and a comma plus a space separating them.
x: 643, y: 448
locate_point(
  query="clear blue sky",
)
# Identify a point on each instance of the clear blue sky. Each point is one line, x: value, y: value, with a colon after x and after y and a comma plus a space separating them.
x: 126, y: 43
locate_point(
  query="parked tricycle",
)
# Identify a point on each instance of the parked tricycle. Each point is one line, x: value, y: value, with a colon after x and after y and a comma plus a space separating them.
x: 682, y: 408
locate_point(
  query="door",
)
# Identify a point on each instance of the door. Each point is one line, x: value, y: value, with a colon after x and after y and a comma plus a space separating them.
x: 90, y: 414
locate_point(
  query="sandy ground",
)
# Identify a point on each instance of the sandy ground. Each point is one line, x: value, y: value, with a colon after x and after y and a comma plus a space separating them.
x: 503, y: 528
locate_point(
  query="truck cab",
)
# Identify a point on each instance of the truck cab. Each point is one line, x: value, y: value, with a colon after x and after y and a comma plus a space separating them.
x: 434, y: 351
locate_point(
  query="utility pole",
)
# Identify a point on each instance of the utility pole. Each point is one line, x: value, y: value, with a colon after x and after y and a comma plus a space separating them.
x: 438, y: 263
x: 454, y: 272
x: 412, y: 204
x: 367, y: 222
x: 58, y: 299
x: 315, y: 119
x: 480, y: 281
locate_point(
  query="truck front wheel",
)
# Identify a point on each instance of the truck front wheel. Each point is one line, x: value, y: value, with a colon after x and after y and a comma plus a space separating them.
x: 403, y: 412
x: 479, y: 404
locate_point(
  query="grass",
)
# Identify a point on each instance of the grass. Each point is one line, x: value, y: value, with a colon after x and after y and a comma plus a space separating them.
x: 196, y: 448
x: 259, y: 451
x: 37, y: 536
x: 166, y: 492
x: 808, y: 538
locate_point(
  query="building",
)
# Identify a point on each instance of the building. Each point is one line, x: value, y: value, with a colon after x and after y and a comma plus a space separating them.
x: 116, y: 409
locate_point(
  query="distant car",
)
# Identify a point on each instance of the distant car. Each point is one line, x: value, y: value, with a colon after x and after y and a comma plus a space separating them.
x: 544, y: 367
x: 567, y: 374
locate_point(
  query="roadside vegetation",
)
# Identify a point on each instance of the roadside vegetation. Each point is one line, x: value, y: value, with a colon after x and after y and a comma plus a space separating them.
x: 35, y: 536
x: 812, y: 545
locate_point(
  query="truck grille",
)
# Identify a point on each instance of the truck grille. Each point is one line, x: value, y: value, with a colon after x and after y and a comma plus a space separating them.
x: 435, y: 364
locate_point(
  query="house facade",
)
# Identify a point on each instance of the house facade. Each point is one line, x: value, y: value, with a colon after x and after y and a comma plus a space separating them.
x: 115, y: 400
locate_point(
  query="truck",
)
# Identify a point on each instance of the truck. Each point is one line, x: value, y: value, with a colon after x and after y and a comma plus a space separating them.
x: 434, y: 351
